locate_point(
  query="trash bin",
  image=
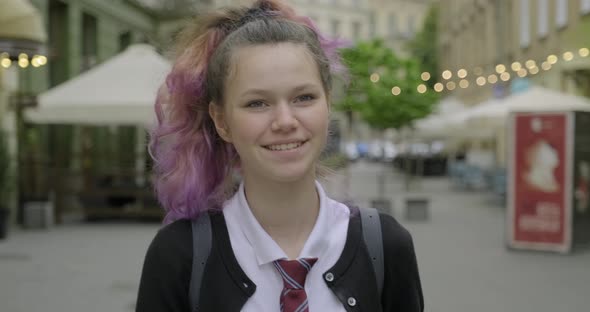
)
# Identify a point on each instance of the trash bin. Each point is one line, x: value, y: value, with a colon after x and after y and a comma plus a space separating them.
x: 4, y: 221
x: 38, y: 215
x: 417, y: 209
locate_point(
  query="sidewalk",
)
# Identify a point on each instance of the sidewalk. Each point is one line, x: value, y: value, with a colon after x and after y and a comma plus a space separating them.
x: 463, y: 262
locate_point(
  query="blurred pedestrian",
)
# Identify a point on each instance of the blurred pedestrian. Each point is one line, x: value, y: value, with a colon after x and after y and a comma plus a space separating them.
x: 250, y: 92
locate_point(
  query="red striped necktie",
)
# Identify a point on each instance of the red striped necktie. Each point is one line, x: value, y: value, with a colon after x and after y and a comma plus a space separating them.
x: 294, y: 272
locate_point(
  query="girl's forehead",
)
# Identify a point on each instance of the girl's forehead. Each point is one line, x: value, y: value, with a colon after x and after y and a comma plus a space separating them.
x: 256, y: 63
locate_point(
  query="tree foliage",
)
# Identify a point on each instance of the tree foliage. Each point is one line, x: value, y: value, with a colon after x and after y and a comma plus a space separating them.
x: 374, y: 100
x: 424, y: 46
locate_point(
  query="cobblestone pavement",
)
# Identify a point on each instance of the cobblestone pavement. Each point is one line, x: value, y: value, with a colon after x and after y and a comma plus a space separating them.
x: 463, y: 261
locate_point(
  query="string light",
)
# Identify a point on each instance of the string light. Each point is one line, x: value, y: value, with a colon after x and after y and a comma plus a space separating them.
x: 447, y: 75
x: 375, y: 78
x: 492, y: 78
x: 23, y: 62
x: 451, y: 85
x: 516, y: 66
x: 462, y: 73
x: 481, y: 81
x: 421, y: 88
x: 501, y: 71
x: 5, y: 62
x: 530, y: 64
x: 438, y: 87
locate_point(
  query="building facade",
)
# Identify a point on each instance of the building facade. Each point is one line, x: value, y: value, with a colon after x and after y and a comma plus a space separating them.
x: 503, y: 46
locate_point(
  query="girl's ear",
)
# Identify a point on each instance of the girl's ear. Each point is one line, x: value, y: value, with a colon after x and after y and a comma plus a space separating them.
x: 216, y: 113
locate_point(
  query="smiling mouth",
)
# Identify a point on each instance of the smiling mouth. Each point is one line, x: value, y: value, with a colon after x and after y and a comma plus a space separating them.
x: 284, y: 147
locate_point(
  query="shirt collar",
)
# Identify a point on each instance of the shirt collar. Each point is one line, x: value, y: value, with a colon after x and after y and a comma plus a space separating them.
x: 265, y: 248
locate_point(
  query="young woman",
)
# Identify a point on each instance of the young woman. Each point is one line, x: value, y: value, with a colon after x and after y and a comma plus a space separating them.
x: 250, y: 93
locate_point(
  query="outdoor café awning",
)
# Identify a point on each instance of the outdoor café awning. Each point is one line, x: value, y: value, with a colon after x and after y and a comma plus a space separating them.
x: 120, y: 91
x: 21, y: 28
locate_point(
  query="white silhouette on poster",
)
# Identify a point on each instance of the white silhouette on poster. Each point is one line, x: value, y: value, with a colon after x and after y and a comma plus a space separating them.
x: 542, y: 160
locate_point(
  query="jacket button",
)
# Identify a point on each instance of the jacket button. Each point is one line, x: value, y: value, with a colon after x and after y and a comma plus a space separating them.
x: 329, y: 277
x: 351, y: 301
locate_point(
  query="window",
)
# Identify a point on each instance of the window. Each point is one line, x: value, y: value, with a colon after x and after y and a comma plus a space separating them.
x: 561, y: 13
x: 543, y: 21
x: 89, y: 41
x: 392, y: 25
x: 525, y: 21
x: 411, y: 25
x: 335, y: 27
x: 585, y: 6
x: 356, y: 30
x: 372, y: 25
x: 124, y: 40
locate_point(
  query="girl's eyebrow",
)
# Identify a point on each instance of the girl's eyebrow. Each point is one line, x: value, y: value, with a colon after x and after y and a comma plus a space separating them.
x: 299, y: 88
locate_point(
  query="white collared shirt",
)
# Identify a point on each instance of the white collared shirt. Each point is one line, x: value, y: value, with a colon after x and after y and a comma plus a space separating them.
x: 255, y: 251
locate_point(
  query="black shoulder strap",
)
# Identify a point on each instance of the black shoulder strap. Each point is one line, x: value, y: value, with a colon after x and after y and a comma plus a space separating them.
x: 201, y: 248
x: 374, y: 241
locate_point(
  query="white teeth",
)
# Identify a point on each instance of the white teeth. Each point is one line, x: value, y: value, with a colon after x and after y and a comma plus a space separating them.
x: 284, y: 147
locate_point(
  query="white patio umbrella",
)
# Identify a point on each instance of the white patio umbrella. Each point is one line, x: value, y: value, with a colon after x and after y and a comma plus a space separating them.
x: 535, y: 99
x: 122, y: 90
x: 438, y: 124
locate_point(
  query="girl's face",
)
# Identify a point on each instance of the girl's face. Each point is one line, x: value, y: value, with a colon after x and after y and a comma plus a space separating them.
x: 275, y: 112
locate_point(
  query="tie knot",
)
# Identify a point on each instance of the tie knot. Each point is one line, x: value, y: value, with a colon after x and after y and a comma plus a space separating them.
x: 294, y: 272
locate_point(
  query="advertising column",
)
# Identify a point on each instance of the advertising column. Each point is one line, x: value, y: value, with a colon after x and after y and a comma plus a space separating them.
x: 540, y: 182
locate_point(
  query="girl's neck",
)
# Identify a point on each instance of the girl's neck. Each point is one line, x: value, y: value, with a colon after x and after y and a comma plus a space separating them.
x: 286, y: 211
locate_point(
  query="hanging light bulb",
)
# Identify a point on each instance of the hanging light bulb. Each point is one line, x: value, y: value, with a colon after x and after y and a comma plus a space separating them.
x: 516, y: 66
x: 447, y: 74
x: 375, y: 78
x: 481, y: 81
x: 552, y: 59
x: 451, y: 85
x: 438, y: 87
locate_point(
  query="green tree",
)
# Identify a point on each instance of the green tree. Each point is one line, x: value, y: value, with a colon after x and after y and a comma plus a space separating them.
x: 424, y: 46
x: 375, y: 70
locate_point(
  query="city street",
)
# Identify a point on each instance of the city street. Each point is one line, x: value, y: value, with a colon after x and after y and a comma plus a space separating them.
x: 463, y: 261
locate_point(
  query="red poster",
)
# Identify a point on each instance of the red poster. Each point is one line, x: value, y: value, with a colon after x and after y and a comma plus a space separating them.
x: 539, y: 209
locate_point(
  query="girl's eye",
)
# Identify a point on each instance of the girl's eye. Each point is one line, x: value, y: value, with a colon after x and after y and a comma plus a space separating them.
x: 305, y: 98
x: 255, y: 104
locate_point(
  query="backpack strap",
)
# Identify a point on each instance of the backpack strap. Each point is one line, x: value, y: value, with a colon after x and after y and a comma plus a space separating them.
x: 371, y: 225
x: 201, y: 248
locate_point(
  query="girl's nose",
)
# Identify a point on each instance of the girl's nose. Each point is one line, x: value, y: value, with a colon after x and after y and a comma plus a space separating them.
x: 284, y: 118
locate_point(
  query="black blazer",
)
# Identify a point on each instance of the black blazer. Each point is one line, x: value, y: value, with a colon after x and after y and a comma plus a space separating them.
x: 225, y: 287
